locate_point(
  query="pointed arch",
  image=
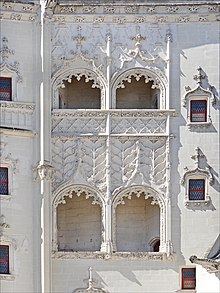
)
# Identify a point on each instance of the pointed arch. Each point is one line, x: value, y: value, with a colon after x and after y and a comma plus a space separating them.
x: 153, y: 75
x: 68, y: 191
x: 147, y: 192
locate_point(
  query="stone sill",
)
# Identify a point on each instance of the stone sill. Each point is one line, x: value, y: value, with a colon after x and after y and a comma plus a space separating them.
x: 186, y: 291
x: 6, y: 196
x: 153, y: 256
x: 7, y: 277
x: 192, y: 125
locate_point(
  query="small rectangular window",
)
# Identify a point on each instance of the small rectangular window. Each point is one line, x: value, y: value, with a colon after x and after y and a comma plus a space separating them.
x: 189, y: 278
x: 196, y: 189
x: 5, y: 89
x: 198, y: 111
x: 3, y: 180
x: 4, y: 259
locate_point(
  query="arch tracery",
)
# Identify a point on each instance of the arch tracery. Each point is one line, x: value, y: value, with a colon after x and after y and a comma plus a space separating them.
x: 137, y: 191
x: 153, y: 75
x: 70, y: 191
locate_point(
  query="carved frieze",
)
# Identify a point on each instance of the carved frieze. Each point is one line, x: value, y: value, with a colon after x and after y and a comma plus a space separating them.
x: 17, y: 115
x: 16, y: 11
x: 164, y: 13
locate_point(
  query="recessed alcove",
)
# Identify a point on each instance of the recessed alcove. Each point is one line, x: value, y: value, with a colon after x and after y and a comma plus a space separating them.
x: 137, y: 94
x: 79, y: 224
x: 137, y: 223
x: 79, y: 94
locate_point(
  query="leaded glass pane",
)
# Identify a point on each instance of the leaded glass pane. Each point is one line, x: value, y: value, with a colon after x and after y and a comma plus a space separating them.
x: 4, y: 259
x: 196, y: 189
x: 5, y: 88
x: 3, y: 180
x: 198, y: 111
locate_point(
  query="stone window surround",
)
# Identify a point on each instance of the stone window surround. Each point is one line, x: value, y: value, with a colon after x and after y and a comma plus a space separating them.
x: 197, y: 174
x: 4, y: 240
x: 194, y: 95
x: 105, y: 252
x: 180, y: 280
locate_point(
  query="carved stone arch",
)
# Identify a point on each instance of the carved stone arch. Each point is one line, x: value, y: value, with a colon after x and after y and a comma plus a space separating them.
x: 154, y: 75
x: 149, y: 192
x: 68, y: 191
x: 66, y: 75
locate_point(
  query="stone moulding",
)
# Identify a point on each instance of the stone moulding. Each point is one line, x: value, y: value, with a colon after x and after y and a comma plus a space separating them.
x: 150, y: 256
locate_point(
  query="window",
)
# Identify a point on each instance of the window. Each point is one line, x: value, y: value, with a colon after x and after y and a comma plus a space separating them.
x: 4, y: 180
x: 156, y: 246
x: 5, y: 89
x: 196, y: 189
x: 188, y: 278
x: 4, y: 259
x: 198, y: 111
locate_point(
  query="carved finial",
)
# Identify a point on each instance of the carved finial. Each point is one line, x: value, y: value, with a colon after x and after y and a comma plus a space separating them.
x: 199, y: 77
x: 79, y: 39
x: 169, y: 37
x: 197, y: 156
x: 3, y: 224
x: 138, y: 38
x: 90, y: 278
x: 5, y: 51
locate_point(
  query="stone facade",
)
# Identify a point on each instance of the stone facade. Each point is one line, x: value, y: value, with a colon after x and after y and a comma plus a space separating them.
x: 101, y: 144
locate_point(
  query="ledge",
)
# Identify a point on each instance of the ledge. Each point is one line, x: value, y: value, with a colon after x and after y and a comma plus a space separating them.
x: 151, y: 256
x: 7, y: 277
x: 17, y: 132
x: 6, y: 196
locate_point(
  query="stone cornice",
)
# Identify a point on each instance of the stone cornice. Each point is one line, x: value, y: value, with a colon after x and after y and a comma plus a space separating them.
x: 122, y: 13
x: 15, y: 11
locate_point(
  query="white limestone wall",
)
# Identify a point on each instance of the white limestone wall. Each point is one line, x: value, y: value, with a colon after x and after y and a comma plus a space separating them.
x: 207, y: 282
x: 115, y: 276
x: 192, y: 230
x: 194, y: 45
x: 20, y: 149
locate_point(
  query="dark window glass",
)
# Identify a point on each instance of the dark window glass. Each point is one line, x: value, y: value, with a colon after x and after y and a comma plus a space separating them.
x: 198, y: 111
x: 196, y: 189
x: 3, y: 180
x: 5, y: 89
x: 4, y: 259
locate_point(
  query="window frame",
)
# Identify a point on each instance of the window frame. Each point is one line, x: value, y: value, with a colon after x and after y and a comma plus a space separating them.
x: 191, y: 279
x: 10, y: 91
